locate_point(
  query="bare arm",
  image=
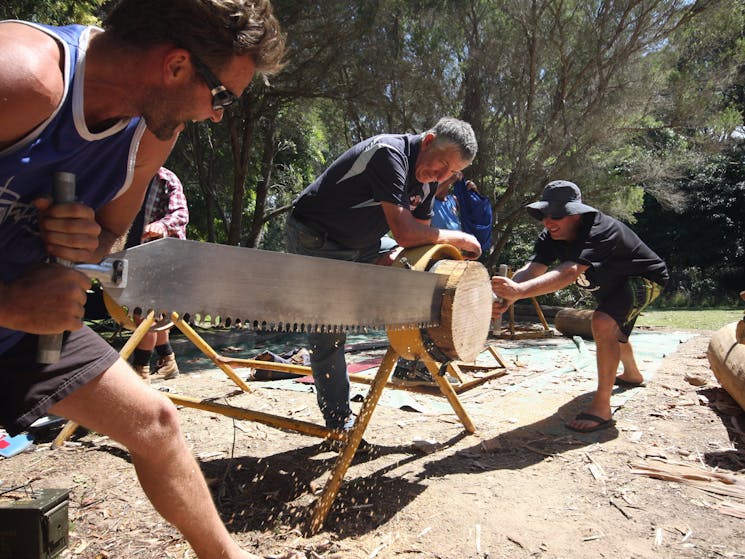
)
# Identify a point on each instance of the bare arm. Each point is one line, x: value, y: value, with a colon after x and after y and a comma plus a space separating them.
x: 48, y: 298
x: 444, y: 186
x: 31, y: 83
x: 116, y: 217
x: 411, y: 232
x: 532, y: 280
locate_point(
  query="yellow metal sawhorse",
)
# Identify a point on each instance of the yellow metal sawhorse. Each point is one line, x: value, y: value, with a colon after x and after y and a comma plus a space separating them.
x: 352, y: 438
x: 410, y: 339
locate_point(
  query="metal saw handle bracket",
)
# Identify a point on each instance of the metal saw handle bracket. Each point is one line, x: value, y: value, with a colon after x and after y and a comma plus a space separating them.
x: 110, y: 272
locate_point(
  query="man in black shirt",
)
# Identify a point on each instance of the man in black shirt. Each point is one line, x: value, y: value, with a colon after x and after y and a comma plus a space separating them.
x: 385, y: 183
x: 604, y: 256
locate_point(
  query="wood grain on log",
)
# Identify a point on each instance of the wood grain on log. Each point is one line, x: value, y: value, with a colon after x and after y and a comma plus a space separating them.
x: 574, y: 322
x: 727, y: 361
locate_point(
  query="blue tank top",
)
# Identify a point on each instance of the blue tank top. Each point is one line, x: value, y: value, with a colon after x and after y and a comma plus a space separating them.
x: 103, y: 163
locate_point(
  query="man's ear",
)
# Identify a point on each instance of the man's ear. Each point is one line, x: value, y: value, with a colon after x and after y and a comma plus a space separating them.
x: 428, y: 139
x: 177, y: 65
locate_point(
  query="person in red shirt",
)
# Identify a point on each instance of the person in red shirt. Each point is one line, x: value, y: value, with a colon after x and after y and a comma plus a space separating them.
x: 164, y: 214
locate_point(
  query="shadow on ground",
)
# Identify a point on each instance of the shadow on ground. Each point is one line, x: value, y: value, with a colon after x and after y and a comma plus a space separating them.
x: 282, y: 489
x: 524, y: 446
x: 733, y: 418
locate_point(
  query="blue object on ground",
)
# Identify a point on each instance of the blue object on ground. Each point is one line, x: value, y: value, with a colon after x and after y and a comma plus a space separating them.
x: 10, y: 446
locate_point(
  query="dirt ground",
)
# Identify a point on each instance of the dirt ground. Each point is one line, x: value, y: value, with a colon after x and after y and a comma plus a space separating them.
x: 523, y: 486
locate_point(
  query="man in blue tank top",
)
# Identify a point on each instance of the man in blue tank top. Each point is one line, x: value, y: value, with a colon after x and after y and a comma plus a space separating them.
x: 108, y: 105
x: 599, y: 254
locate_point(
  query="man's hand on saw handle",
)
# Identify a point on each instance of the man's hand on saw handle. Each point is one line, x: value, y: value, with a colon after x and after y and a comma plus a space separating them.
x: 47, y: 299
x: 506, y: 292
x: 50, y: 298
x: 69, y: 231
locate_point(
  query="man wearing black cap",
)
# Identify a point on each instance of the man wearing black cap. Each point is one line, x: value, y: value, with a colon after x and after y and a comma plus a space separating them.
x: 604, y: 256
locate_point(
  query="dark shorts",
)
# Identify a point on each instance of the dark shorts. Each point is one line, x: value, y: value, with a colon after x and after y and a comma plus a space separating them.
x: 628, y: 301
x: 29, y: 389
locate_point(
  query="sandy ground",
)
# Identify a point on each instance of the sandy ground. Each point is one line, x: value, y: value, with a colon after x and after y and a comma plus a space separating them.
x: 522, y: 486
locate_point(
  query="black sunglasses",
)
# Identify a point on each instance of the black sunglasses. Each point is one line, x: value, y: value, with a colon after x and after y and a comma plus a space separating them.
x: 222, y: 97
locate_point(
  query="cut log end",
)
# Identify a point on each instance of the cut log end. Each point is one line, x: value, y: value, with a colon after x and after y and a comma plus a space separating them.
x: 466, y: 309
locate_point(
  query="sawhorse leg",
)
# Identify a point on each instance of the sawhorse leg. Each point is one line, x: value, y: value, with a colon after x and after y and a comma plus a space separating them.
x: 447, y: 390
x: 353, y: 442
x: 205, y: 348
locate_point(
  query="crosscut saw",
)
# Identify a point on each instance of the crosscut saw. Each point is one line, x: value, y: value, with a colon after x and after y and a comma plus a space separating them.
x: 269, y: 290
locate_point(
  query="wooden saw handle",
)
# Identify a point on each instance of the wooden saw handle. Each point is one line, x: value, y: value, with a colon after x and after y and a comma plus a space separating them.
x: 63, y: 192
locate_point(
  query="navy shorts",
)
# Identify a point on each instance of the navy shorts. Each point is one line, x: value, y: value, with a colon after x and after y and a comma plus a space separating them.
x: 29, y: 389
x: 626, y: 303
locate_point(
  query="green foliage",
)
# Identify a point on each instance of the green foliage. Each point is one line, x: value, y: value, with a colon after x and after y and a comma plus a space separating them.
x: 703, y: 242
x: 631, y: 100
x: 55, y: 12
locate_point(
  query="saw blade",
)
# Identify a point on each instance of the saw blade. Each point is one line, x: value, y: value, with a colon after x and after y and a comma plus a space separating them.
x: 273, y: 290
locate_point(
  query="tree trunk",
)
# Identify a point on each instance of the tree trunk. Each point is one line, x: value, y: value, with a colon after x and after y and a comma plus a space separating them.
x: 262, y: 189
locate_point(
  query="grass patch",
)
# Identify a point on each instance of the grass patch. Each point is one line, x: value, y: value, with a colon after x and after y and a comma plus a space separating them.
x: 690, y: 319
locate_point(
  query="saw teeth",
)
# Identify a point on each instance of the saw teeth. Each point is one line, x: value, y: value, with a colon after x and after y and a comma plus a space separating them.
x: 211, y: 319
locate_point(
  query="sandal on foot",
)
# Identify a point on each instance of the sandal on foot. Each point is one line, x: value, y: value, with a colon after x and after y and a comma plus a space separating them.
x: 626, y: 384
x: 601, y: 423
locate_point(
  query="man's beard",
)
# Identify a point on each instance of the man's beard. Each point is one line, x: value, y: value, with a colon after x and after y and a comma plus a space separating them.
x: 162, y: 129
x: 160, y: 117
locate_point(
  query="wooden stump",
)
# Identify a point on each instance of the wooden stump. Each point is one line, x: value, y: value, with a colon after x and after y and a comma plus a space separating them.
x: 727, y: 361
x: 574, y: 322
x: 466, y: 309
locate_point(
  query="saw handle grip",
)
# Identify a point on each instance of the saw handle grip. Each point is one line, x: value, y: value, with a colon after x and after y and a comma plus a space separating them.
x: 496, y: 323
x: 50, y: 345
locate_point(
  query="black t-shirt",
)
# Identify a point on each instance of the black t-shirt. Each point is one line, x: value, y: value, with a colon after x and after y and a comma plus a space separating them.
x: 612, y: 250
x: 344, y: 202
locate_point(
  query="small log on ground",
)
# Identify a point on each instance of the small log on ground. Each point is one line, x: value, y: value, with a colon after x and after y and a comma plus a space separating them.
x: 574, y: 322
x: 727, y: 361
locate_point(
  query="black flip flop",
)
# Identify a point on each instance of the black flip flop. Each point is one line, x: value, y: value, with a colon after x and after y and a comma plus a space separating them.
x: 601, y: 423
x: 626, y: 384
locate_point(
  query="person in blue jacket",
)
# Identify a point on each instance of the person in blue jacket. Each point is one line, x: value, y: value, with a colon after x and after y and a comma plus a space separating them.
x: 463, y: 209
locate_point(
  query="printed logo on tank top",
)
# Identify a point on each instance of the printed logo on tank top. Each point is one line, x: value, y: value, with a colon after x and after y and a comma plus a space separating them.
x: 13, y: 211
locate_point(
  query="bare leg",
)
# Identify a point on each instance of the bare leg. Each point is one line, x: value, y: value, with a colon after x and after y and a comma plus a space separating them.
x: 631, y: 372
x: 119, y: 405
x: 606, y: 333
x: 148, y: 342
x: 162, y: 337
